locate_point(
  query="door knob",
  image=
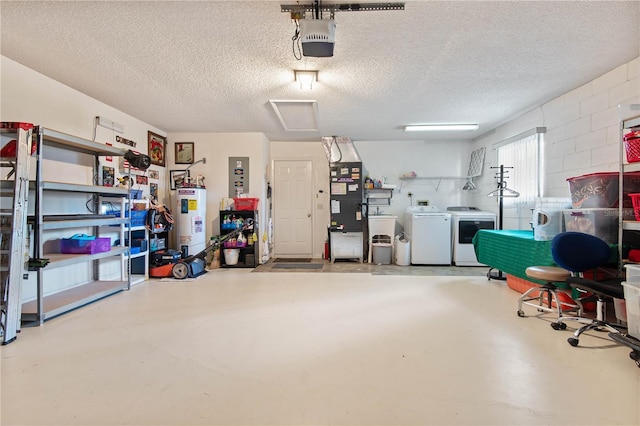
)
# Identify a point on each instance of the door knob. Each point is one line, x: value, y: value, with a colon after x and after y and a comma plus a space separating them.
x: 308, y: 214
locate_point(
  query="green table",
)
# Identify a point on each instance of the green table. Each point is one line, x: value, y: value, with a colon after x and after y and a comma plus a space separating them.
x: 512, y: 252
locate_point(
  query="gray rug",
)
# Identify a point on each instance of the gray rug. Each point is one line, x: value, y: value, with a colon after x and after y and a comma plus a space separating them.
x: 292, y: 260
x: 287, y: 265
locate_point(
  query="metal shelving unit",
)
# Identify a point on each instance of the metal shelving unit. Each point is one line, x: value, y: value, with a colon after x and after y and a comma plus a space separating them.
x: 626, y: 125
x: 14, y: 191
x: 136, y: 264
x: 50, y: 303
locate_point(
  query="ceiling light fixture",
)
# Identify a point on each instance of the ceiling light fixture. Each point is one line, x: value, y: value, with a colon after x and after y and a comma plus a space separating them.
x: 306, y: 78
x: 439, y: 127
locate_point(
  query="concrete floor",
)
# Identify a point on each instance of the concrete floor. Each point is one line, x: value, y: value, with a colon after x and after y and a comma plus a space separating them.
x: 240, y: 347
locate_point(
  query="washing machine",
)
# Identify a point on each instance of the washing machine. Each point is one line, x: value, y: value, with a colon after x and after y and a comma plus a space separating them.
x: 465, y: 222
x: 429, y: 230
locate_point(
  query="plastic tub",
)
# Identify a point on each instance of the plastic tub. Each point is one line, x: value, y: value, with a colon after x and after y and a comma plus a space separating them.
x: 632, y: 146
x: 85, y: 245
x: 600, y: 190
x: 246, y: 203
x: 602, y: 223
x: 231, y: 256
x: 632, y: 299
x: 547, y: 217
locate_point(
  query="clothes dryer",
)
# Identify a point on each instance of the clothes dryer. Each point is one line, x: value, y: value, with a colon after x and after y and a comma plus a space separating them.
x: 465, y: 222
x: 429, y: 230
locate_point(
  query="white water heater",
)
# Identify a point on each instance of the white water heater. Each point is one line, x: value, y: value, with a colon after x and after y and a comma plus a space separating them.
x: 190, y: 215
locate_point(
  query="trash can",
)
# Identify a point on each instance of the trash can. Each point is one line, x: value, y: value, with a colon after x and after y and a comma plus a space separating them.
x: 402, y: 250
x: 381, y: 249
x: 381, y: 253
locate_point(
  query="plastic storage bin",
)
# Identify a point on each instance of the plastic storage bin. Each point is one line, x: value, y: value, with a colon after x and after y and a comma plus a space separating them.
x: 635, y: 201
x: 632, y: 299
x: 632, y: 146
x: 246, y: 203
x: 602, y: 223
x: 85, y: 245
x: 600, y: 190
x: 547, y: 217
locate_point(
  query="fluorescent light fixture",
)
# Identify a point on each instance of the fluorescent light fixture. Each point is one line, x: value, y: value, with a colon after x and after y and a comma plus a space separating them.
x: 439, y: 127
x: 306, y: 78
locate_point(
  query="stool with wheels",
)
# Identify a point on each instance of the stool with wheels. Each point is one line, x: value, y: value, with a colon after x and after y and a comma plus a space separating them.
x: 549, y: 292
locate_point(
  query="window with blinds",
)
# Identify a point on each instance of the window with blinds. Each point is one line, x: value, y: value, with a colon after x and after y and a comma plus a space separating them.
x: 524, y: 154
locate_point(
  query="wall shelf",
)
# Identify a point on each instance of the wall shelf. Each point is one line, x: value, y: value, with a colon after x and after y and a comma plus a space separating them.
x: 404, y: 179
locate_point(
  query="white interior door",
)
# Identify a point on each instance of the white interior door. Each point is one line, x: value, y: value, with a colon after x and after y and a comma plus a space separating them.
x: 292, y: 209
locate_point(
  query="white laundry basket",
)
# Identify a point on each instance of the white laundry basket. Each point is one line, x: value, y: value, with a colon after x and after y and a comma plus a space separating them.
x: 402, y: 250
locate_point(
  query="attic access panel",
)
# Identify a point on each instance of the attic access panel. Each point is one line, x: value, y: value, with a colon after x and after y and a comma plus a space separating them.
x: 297, y: 116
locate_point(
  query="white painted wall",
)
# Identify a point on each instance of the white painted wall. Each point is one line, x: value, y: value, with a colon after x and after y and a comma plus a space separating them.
x: 439, y: 165
x: 217, y: 148
x: 583, y: 136
x: 388, y: 159
x: 28, y: 96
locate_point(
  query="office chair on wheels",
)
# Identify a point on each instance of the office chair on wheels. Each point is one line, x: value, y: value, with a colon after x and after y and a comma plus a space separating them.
x: 578, y: 252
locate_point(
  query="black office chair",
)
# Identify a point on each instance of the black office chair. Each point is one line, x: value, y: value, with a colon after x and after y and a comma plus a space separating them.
x: 578, y: 252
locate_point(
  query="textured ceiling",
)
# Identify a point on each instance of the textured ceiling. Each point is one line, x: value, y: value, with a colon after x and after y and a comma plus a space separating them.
x: 213, y: 66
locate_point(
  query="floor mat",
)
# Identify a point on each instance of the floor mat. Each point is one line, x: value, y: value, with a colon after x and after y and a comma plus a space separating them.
x: 297, y: 266
x: 292, y: 260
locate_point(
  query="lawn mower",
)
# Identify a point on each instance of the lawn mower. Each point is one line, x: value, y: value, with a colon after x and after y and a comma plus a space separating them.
x: 194, y: 266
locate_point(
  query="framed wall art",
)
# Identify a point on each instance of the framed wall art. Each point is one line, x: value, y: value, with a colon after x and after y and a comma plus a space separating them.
x: 157, y: 148
x: 184, y: 152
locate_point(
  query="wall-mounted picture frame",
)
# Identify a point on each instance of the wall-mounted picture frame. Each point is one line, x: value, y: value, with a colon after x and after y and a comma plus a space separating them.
x: 157, y: 148
x: 177, y: 178
x: 154, y: 174
x: 153, y: 191
x: 184, y: 152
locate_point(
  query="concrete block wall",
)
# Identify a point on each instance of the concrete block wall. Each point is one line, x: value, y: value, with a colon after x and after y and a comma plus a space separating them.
x: 583, y: 133
x: 583, y: 136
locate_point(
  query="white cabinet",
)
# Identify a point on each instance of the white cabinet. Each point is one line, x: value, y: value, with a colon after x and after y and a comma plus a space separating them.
x: 65, y: 208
